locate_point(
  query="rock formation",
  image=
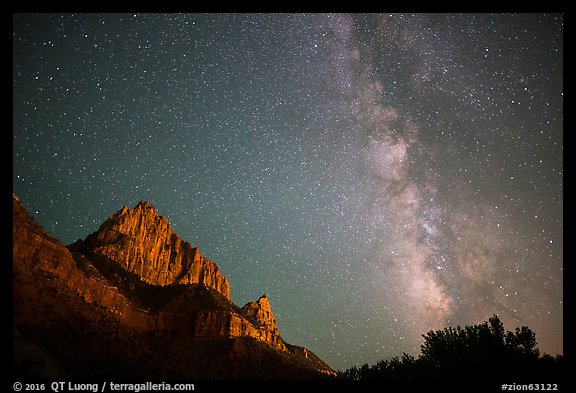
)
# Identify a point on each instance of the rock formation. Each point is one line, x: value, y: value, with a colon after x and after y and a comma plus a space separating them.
x: 143, y: 243
x: 261, y: 312
x: 161, y: 308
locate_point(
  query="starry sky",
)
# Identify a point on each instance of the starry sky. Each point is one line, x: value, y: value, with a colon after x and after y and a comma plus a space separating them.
x: 377, y: 175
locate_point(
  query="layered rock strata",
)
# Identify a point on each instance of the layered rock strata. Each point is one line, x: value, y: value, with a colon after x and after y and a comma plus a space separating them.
x: 138, y: 272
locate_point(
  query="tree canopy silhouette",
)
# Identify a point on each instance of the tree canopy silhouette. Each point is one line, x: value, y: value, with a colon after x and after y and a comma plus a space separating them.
x: 474, y: 352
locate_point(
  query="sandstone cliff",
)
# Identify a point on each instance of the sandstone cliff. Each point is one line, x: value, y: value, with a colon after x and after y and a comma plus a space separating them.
x: 261, y: 312
x: 145, y: 244
x: 74, y: 299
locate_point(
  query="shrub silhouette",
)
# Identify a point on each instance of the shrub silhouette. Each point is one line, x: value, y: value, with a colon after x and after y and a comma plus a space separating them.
x: 471, y: 353
x: 477, y: 350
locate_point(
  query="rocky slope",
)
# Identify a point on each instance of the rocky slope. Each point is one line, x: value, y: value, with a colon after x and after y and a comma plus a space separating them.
x: 133, y: 299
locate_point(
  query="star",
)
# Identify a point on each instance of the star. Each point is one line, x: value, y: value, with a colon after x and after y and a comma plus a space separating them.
x: 380, y: 176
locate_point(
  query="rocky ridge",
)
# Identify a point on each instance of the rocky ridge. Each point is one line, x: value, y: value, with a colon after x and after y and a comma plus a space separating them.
x: 136, y: 275
x: 142, y: 242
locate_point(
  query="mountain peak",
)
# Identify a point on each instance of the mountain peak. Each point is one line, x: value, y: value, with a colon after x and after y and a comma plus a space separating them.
x: 134, y: 279
x: 261, y: 311
x: 142, y: 242
x: 144, y: 205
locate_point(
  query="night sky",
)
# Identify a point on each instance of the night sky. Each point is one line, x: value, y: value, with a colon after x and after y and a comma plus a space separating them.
x: 378, y: 176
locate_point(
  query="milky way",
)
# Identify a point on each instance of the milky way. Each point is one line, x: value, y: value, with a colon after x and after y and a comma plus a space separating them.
x: 379, y: 176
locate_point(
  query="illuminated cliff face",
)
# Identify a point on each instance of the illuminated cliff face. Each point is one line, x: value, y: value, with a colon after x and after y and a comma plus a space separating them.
x: 134, y: 278
x: 145, y: 244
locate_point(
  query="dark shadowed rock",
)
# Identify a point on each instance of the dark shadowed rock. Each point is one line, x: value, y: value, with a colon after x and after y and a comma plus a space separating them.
x: 133, y: 300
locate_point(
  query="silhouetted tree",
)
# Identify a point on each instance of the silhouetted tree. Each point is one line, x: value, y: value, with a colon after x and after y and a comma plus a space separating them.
x: 523, y: 343
x: 350, y: 374
x: 473, y: 352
